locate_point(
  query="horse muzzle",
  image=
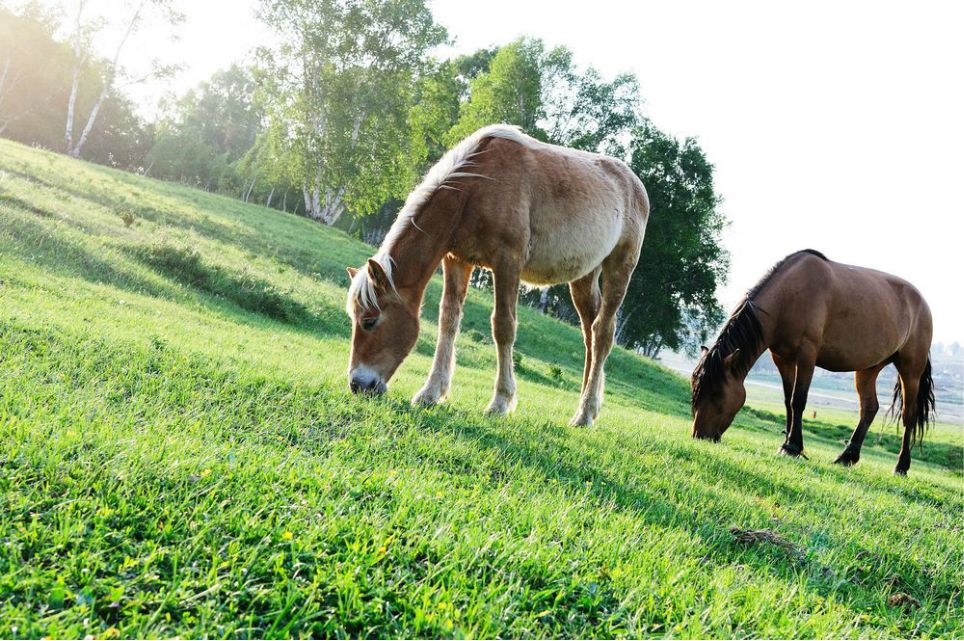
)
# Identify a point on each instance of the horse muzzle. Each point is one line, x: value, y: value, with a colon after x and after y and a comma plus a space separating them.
x: 362, y: 380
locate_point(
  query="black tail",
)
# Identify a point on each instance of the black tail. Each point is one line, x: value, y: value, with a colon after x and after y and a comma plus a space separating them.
x: 925, y: 402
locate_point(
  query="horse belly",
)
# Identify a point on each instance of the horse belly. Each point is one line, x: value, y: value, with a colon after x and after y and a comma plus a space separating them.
x: 858, y: 340
x: 564, y: 252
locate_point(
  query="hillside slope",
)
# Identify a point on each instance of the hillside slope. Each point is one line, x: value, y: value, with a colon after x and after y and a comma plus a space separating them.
x: 181, y: 457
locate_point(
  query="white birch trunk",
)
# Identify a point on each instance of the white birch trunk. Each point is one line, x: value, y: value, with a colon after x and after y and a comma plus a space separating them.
x: 75, y: 152
x: 307, y: 195
x: 79, y: 61
x: 108, y: 83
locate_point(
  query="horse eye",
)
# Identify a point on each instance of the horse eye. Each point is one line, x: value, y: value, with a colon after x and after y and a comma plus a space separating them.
x: 368, y: 324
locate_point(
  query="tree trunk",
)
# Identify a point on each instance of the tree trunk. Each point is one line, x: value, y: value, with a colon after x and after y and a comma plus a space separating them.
x: 267, y: 203
x: 544, y: 300
x: 333, y: 207
x: 247, y: 193
x: 71, y: 103
x: 307, y: 196
x: 75, y: 152
x: 3, y: 78
x: 75, y: 82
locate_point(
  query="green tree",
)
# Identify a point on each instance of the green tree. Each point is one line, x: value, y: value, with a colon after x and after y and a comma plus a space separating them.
x: 345, y: 77
x: 206, y: 134
x: 509, y: 91
x: 109, y: 75
x: 27, y: 88
x: 36, y: 76
x: 671, y: 302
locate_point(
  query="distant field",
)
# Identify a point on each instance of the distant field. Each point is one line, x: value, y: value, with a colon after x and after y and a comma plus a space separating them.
x: 180, y: 457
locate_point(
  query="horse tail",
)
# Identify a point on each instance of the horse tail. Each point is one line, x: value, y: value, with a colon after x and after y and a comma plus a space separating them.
x: 926, y: 403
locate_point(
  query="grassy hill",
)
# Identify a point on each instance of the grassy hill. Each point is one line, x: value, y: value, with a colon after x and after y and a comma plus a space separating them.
x: 180, y: 457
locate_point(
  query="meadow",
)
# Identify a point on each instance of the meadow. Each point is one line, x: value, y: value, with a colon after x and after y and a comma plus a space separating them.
x: 180, y: 456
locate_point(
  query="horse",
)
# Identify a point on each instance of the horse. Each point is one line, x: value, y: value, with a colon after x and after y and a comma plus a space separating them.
x: 526, y: 210
x: 810, y: 311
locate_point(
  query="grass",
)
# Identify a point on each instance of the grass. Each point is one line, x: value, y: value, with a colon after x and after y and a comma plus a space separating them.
x: 180, y: 457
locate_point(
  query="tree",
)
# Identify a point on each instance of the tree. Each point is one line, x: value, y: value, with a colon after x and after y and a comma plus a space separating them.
x: 671, y: 302
x: 584, y: 111
x: 25, y: 86
x: 32, y: 95
x: 510, y: 91
x: 86, y: 30
x: 344, y: 78
x: 207, y: 133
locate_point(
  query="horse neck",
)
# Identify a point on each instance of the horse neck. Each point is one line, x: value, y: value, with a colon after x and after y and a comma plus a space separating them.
x: 750, y: 354
x: 417, y: 250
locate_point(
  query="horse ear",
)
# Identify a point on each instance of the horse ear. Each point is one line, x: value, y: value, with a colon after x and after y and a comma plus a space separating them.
x: 377, y: 273
x: 731, y: 359
x: 351, y: 273
x: 704, y: 349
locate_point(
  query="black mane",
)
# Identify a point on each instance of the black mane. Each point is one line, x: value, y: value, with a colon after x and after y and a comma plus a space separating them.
x: 742, y: 332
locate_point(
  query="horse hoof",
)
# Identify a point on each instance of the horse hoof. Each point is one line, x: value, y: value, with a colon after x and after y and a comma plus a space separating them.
x: 427, y: 398
x: 791, y: 450
x: 500, y: 407
x: 580, y: 420
x: 847, y: 459
x: 900, y: 471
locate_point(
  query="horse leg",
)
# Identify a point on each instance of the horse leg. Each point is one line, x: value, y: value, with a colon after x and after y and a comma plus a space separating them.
x: 456, y: 277
x: 788, y: 373
x: 503, y: 330
x: 910, y: 374
x: 806, y: 361
x: 585, y: 297
x: 865, y: 381
x: 617, y: 269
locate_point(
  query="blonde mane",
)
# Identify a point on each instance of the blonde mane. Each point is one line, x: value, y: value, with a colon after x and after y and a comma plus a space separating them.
x: 451, y: 166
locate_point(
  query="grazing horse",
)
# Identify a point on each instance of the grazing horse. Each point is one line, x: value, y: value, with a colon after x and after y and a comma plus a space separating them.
x: 812, y: 312
x: 526, y: 210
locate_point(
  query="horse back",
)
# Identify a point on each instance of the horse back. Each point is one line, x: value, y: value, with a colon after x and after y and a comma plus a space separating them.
x: 870, y: 316
x: 566, y: 209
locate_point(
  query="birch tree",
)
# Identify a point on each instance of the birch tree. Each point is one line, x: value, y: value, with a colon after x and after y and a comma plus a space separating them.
x: 338, y: 107
x: 90, y: 32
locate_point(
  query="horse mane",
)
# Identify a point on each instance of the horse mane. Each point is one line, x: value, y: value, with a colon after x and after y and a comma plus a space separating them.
x: 743, y: 332
x: 453, y: 165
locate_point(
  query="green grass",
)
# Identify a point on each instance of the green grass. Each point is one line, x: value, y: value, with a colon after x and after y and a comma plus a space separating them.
x: 180, y: 457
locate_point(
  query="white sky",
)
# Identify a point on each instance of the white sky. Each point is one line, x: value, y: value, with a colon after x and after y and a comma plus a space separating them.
x: 832, y: 125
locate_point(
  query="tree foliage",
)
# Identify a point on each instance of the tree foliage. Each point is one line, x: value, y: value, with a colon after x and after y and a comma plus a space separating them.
x: 36, y: 72
x: 671, y: 302
x: 207, y: 132
x: 344, y: 81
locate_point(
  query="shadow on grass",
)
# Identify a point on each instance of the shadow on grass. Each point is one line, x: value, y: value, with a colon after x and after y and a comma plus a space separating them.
x: 551, y: 457
x: 248, y: 292
x: 57, y: 254
x: 836, y: 436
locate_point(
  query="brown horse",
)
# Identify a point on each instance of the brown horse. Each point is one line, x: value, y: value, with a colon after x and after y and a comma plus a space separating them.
x: 812, y: 312
x: 526, y: 210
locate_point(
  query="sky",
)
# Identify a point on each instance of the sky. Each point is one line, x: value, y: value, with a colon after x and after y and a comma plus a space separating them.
x: 831, y: 125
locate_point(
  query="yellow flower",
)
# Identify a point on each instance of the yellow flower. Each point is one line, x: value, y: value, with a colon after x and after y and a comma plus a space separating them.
x: 287, y: 536
x: 206, y: 473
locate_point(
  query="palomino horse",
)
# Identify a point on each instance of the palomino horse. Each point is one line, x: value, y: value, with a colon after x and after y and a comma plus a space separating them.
x: 810, y: 311
x: 526, y: 210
